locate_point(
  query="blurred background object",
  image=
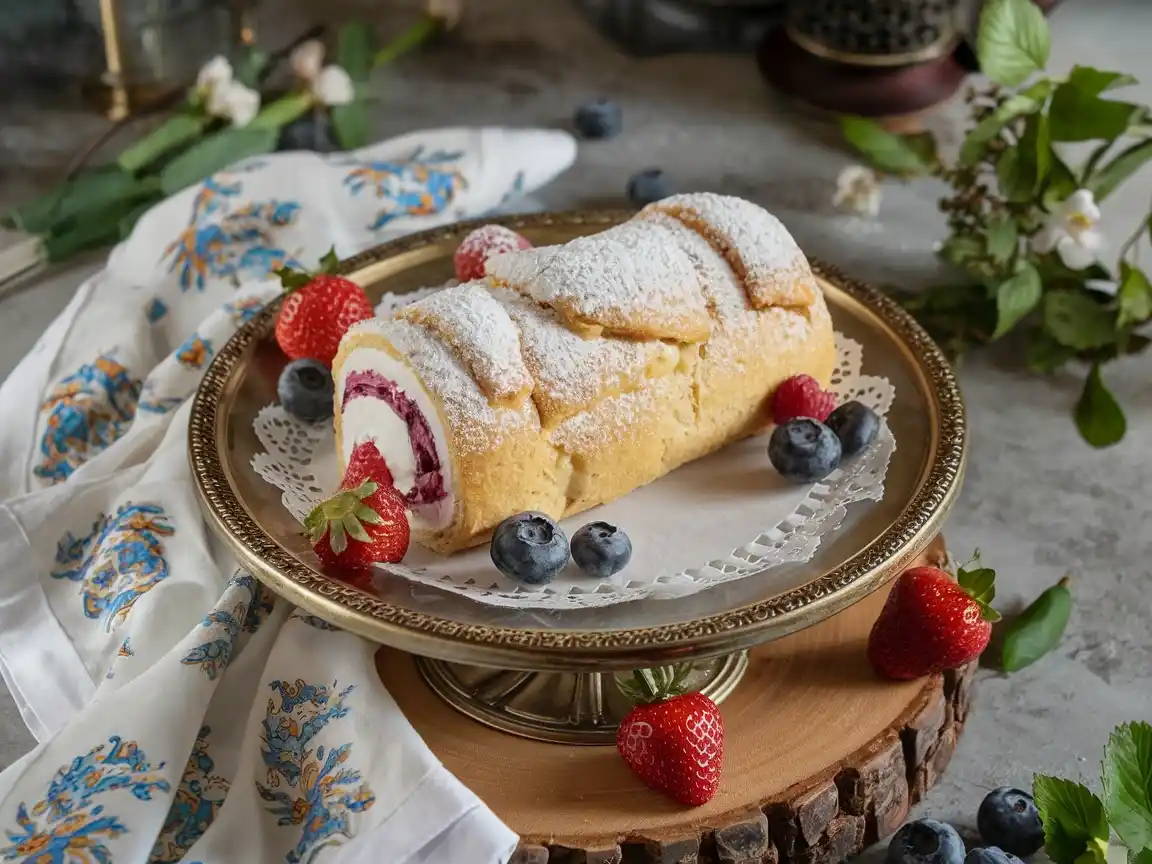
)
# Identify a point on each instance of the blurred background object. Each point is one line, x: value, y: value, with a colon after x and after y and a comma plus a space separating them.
x: 123, y: 52
x: 650, y: 27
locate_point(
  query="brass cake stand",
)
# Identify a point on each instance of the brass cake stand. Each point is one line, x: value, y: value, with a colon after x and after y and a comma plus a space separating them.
x: 822, y: 756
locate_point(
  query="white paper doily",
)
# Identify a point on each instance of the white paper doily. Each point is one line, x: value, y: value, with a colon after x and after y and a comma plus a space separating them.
x: 712, y: 521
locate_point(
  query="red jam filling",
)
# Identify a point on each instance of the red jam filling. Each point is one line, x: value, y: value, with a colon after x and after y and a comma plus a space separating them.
x: 429, y: 486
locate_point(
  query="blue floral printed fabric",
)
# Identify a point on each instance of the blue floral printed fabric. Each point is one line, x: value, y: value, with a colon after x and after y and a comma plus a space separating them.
x: 184, y: 713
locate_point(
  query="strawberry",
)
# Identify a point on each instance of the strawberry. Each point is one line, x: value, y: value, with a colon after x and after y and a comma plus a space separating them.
x: 672, y: 740
x: 932, y: 622
x: 365, y: 522
x: 482, y: 244
x: 801, y: 396
x: 319, y: 309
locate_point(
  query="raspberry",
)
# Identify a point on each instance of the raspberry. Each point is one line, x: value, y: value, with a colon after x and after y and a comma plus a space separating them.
x: 482, y: 244
x: 801, y: 396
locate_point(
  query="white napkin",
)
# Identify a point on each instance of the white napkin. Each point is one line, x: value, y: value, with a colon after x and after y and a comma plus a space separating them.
x: 184, y: 713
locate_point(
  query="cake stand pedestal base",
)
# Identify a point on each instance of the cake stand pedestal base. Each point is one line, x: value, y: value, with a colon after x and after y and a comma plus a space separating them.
x: 822, y: 757
x: 562, y: 707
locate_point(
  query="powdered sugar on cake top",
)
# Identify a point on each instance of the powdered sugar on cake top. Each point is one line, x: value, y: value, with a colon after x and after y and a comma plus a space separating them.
x: 572, y: 372
x: 759, y: 247
x: 480, y: 331
x: 629, y: 279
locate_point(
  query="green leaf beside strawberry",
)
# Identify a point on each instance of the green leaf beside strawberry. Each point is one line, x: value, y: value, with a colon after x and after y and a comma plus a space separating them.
x: 980, y: 584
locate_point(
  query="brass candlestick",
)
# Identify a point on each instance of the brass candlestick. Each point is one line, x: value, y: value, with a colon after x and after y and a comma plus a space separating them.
x: 149, y: 52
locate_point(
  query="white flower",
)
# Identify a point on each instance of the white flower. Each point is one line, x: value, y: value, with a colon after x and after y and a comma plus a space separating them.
x: 215, y: 72
x: 1071, y: 231
x: 333, y: 86
x: 858, y: 191
x: 213, y: 83
x: 329, y: 85
x: 243, y: 103
x: 447, y: 12
x: 1103, y: 286
x: 307, y: 59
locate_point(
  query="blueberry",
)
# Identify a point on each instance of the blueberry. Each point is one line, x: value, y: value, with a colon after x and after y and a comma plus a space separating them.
x: 648, y: 185
x: 530, y: 548
x: 804, y: 450
x: 990, y: 855
x: 601, y: 550
x: 926, y: 841
x: 305, y: 390
x: 856, y: 425
x: 600, y: 118
x: 1008, y: 818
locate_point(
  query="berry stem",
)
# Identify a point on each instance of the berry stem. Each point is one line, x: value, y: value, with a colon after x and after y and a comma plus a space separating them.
x: 658, y: 684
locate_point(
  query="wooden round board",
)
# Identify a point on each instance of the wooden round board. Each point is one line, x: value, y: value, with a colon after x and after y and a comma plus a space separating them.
x: 822, y: 758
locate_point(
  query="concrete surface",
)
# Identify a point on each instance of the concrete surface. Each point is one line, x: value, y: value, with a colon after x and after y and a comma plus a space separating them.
x: 1037, y: 501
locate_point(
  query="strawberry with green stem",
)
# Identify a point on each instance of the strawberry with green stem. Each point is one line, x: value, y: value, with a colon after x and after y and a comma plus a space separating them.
x: 673, y: 740
x: 365, y: 522
x: 319, y: 309
x: 932, y: 621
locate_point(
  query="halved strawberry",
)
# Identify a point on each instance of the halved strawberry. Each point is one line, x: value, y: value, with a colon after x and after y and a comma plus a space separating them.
x: 366, y: 521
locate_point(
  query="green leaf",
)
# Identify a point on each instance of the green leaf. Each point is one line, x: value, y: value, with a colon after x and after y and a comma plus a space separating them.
x: 1079, y: 114
x: 980, y: 582
x: 1126, y: 163
x: 1038, y: 629
x: 354, y: 50
x: 960, y: 249
x: 890, y: 153
x: 1127, y: 781
x: 976, y: 142
x: 1098, y: 415
x: 1061, y: 181
x: 280, y: 113
x: 1003, y: 238
x: 128, y: 220
x: 88, y: 193
x: 1094, y: 81
x: 1073, y: 819
x: 176, y: 131
x: 215, y: 154
x: 1134, y: 295
x: 249, y: 68
x: 1016, y: 297
x: 1078, y: 321
x: 329, y: 262
x: 90, y: 233
x: 354, y: 529
x: 350, y: 123
x: 1045, y: 354
x: 1013, y: 41
x: 1023, y: 168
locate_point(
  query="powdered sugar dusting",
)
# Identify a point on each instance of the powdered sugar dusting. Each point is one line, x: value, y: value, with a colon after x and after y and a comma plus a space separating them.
x: 757, y: 244
x: 737, y: 324
x: 481, y: 332
x: 570, y: 371
x: 613, y: 419
x: 476, y: 426
x: 630, y: 279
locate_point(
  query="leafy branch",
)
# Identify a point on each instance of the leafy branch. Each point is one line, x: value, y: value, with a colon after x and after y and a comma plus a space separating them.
x: 1078, y: 824
x: 1024, y: 236
x: 228, y: 115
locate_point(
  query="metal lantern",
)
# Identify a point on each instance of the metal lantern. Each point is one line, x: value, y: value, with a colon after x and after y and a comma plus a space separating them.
x: 153, y: 46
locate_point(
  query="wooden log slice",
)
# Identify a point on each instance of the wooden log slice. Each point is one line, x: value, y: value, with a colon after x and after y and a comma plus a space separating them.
x: 822, y: 758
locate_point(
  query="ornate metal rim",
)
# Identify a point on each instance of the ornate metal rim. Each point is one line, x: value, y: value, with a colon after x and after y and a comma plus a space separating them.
x: 578, y: 650
x: 942, y: 47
